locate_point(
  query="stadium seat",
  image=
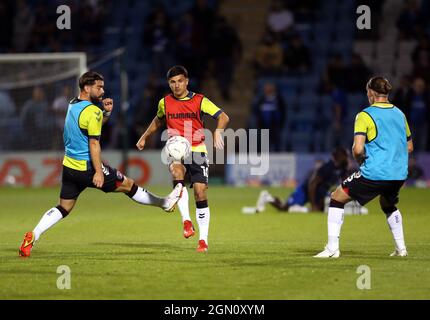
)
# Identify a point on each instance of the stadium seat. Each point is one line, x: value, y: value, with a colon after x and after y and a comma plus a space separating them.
x: 301, y: 141
x: 308, y: 100
x: 357, y: 102
x: 289, y: 83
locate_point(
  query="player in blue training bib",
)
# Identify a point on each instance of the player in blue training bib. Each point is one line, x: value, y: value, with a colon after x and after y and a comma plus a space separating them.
x: 382, y: 142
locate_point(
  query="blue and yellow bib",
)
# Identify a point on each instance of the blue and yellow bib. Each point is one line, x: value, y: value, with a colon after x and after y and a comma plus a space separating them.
x: 83, y: 121
x: 387, y: 133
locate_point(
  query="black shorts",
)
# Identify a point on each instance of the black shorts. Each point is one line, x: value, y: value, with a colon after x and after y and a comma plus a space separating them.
x: 364, y: 190
x: 197, y: 168
x: 73, y: 182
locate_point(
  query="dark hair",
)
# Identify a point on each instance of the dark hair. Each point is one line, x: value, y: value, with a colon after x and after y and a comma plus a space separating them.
x: 339, y: 151
x: 380, y: 85
x: 89, y: 78
x: 176, y: 71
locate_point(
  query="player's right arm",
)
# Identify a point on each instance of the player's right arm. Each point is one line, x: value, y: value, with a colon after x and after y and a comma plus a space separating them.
x: 156, y: 123
x: 409, y: 137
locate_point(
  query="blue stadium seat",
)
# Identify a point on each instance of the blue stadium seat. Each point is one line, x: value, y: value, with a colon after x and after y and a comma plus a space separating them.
x: 301, y: 141
x: 357, y: 102
x: 310, y: 82
x: 326, y: 105
x: 290, y: 98
x: 289, y: 84
x: 308, y: 100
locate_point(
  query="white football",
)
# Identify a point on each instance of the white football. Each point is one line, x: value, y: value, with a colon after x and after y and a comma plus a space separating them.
x: 177, y: 148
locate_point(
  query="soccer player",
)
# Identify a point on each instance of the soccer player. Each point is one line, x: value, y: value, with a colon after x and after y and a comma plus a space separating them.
x: 315, y: 187
x: 183, y: 111
x: 382, y: 141
x: 82, y: 164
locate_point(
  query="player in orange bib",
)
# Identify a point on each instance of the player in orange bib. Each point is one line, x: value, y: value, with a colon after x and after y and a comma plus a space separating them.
x: 183, y: 112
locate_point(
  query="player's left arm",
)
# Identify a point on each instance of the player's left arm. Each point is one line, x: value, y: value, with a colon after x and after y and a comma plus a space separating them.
x: 361, y: 130
x: 93, y: 120
x: 211, y: 109
x: 108, y: 107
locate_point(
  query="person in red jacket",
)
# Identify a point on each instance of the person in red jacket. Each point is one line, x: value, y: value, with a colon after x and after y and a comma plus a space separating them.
x: 182, y: 112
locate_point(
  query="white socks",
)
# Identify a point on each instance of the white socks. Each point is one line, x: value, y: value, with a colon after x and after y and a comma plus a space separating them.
x: 145, y: 197
x: 51, y: 217
x: 396, y: 227
x: 334, y: 224
x: 183, y: 205
x: 335, y: 220
x: 203, y: 216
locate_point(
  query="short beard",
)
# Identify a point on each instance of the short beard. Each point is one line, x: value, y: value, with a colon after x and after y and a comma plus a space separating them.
x: 95, y: 100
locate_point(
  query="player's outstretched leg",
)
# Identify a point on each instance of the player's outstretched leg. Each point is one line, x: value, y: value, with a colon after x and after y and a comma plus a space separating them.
x: 334, y: 224
x: 50, y: 218
x: 395, y: 223
x: 142, y: 196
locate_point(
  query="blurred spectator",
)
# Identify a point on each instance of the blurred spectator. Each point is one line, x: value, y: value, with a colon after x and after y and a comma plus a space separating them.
x: 280, y: 20
x: 7, y: 106
x: 335, y: 74
x: 401, y: 96
x: 422, y: 46
x: 226, y: 52
x: 336, y: 131
x: 183, y: 40
x: 204, y: 19
x: 297, y: 56
x: 59, y: 108
x: 269, y: 111
x: 359, y: 74
x: 91, y: 17
x: 422, y: 66
x: 410, y: 21
x: 10, y: 128
x: 157, y: 35
x: 269, y: 56
x: 418, y: 113
x: 146, y: 110
x: 304, y: 10
x: 38, y: 121
x: 44, y: 28
x: 23, y: 24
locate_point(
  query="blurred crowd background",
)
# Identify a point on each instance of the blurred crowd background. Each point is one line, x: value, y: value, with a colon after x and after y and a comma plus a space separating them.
x: 296, y: 67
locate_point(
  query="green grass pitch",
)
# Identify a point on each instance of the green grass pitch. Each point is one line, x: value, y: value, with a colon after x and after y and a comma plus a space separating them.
x: 117, y: 249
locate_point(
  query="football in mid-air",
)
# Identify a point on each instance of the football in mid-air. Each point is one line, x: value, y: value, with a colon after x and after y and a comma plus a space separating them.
x: 177, y: 148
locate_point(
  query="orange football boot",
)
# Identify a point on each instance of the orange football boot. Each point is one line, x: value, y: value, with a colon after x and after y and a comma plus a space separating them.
x: 203, y: 247
x: 27, y: 244
x: 188, y: 229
